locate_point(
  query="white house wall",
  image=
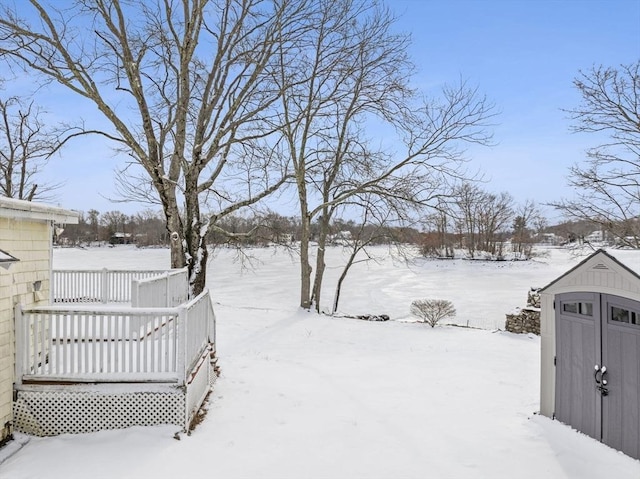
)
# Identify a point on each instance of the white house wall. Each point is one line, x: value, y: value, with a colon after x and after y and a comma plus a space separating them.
x: 30, y: 242
x: 599, y: 274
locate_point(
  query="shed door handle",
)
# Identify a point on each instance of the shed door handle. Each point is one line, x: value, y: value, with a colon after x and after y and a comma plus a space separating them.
x: 601, y: 382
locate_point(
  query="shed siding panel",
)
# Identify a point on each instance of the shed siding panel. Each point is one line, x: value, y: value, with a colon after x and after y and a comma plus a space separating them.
x: 576, y: 356
x: 613, y: 413
x: 589, y: 278
x: 631, y: 396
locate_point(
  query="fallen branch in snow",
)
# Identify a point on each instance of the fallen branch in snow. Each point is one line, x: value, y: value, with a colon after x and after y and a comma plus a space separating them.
x: 365, y: 317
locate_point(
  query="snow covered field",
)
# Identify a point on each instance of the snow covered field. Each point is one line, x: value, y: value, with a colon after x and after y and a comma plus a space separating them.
x: 304, y: 396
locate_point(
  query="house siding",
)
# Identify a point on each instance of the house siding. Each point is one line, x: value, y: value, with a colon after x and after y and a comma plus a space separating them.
x: 29, y: 241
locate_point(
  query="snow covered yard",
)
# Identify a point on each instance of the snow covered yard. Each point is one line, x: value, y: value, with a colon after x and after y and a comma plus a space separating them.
x: 303, y: 396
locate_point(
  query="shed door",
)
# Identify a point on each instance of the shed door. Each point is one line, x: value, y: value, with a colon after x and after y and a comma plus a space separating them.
x: 598, y: 368
x: 621, y: 356
x: 577, y: 351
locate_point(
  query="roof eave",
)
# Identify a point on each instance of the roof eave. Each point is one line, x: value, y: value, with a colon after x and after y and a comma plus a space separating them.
x: 597, y: 252
x: 12, y: 208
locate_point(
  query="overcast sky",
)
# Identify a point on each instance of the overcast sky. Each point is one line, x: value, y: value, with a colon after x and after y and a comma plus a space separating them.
x: 523, y: 54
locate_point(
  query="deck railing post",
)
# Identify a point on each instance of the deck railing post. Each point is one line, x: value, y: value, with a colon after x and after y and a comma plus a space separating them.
x: 211, y: 320
x: 105, y: 285
x: 135, y: 288
x: 52, y: 286
x: 167, y: 302
x: 21, y: 344
x: 181, y: 361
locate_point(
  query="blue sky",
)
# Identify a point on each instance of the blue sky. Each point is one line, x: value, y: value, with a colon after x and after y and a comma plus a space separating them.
x: 523, y: 54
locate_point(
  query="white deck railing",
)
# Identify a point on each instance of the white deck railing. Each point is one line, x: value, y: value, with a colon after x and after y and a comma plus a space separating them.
x: 169, y: 289
x: 200, y: 328
x: 91, y: 286
x: 100, y: 344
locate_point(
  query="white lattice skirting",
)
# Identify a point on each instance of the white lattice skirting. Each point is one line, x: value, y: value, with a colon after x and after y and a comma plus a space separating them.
x: 53, y: 410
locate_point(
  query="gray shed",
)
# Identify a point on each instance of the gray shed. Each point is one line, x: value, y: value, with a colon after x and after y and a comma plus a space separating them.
x: 590, y: 361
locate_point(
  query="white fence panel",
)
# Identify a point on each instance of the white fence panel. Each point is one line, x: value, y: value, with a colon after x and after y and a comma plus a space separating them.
x: 168, y: 290
x: 90, y: 286
x: 106, y: 345
x: 200, y: 328
x: 77, y: 286
x: 177, y: 287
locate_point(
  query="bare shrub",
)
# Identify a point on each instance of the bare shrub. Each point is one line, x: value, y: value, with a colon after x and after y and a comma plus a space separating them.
x: 431, y: 311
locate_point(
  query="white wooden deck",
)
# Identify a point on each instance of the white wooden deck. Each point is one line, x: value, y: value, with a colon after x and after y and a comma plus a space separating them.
x: 162, y: 338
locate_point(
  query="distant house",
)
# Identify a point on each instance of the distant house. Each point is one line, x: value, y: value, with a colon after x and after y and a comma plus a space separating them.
x: 121, y: 238
x: 341, y: 238
x: 25, y: 257
x: 590, y: 358
x: 549, y: 239
x: 595, y: 237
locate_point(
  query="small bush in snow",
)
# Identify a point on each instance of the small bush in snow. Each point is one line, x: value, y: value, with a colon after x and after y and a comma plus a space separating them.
x: 431, y: 311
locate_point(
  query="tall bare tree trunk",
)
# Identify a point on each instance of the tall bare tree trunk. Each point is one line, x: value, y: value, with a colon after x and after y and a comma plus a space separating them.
x: 343, y: 275
x: 194, y: 233
x: 305, y: 267
x: 174, y: 227
x: 320, y: 258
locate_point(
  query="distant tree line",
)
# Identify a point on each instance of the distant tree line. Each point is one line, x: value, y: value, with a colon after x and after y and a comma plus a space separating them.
x: 473, y: 220
x: 147, y: 228
x: 482, y: 223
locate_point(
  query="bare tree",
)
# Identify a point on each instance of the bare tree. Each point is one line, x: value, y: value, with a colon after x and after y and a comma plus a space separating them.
x: 494, y: 214
x: 481, y: 218
x: 187, y: 89
x: 26, y: 145
x: 114, y: 222
x: 351, y: 71
x: 528, y: 220
x: 466, y: 211
x: 149, y: 227
x: 431, y: 311
x: 439, y: 240
x: 93, y: 218
x: 378, y: 222
x: 607, y: 185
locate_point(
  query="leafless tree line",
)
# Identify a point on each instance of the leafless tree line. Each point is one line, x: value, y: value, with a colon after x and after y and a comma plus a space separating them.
x: 147, y: 228
x: 482, y: 223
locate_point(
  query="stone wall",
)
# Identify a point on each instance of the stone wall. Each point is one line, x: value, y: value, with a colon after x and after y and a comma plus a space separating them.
x: 527, y: 319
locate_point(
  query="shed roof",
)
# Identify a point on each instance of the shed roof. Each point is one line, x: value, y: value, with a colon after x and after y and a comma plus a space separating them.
x: 598, y: 261
x: 12, y: 208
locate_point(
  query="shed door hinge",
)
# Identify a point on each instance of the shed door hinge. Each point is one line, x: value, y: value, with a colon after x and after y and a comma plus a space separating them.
x: 555, y: 360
